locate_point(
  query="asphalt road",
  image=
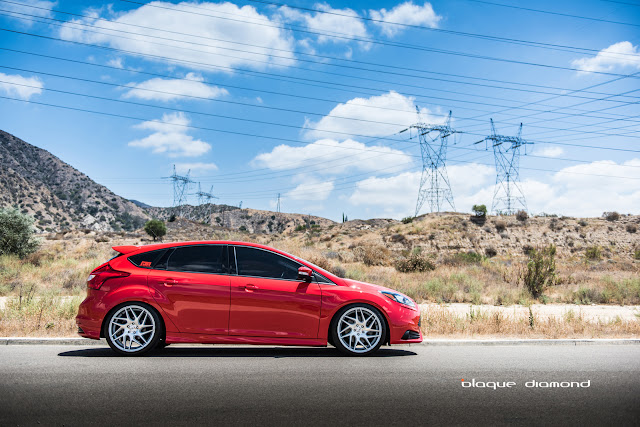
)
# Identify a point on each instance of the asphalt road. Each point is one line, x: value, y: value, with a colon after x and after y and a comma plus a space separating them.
x: 66, y: 385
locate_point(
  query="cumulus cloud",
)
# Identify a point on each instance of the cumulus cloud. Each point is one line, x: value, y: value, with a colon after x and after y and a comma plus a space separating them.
x: 380, y: 115
x: 20, y: 87
x: 167, y: 17
x: 550, y: 152
x: 195, y: 167
x: 339, y: 157
x: 36, y: 8
x: 581, y: 190
x: 311, y: 189
x: 170, y: 137
x: 405, y: 13
x: 116, y: 62
x: 169, y: 89
x: 622, y: 55
x: 346, y: 22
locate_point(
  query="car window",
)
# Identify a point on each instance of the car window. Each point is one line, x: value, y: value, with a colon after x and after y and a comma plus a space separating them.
x: 146, y: 259
x: 200, y: 259
x: 260, y: 263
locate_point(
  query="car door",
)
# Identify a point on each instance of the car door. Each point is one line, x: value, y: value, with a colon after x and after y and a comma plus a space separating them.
x: 191, y: 284
x: 267, y: 299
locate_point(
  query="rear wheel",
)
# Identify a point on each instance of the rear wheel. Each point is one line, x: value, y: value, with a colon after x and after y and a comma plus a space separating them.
x: 358, y: 330
x: 133, y: 329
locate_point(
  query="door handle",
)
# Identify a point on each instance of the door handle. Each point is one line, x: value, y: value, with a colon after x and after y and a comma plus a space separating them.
x: 169, y: 282
x: 250, y: 287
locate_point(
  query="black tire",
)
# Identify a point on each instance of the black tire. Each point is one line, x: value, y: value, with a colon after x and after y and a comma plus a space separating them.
x: 153, y: 337
x: 345, y: 349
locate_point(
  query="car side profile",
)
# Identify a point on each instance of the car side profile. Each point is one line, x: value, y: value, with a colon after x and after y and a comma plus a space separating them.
x: 219, y: 292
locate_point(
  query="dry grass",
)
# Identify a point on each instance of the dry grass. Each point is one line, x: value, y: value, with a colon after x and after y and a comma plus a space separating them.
x: 441, y: 322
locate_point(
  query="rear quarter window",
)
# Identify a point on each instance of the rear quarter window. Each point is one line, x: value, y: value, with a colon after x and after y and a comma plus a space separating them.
x: 146, y: 259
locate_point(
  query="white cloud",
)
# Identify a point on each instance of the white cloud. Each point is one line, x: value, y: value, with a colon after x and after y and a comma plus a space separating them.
x: 617, y: 56
x: 167, y: 17
x: 14, y: 85
x: 338, y: 157
x: 550, y: 152
x: 40, y: 8
x: 405, y: 13
x: 346, y: 22
x: 195, y: 167
x: 170, y: 136
x: 169, y: 89
x: 391, y: 113
x: 116, y: 62
x: 580, y: 190
x: 311, y: 189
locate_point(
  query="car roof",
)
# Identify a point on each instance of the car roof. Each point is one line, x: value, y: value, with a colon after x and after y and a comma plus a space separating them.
x: 135, y: 249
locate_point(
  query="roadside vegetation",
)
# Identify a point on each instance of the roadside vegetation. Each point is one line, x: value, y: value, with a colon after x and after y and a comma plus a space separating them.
x: 437, y: 260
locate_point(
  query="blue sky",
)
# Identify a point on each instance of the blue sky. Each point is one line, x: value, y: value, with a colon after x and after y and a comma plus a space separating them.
x: 259, y: 98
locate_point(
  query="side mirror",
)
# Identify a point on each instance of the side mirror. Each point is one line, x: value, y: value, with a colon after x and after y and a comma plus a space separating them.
x: 305, y: 274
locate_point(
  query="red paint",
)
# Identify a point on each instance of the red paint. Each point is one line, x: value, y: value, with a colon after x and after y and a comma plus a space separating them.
x: 227, y: 308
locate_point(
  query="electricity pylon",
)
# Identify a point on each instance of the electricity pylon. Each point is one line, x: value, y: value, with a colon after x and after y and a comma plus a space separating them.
x: 180, y: 190
x: 507, y: 196
x: 434, y: 182
x: 278, y: 204
x: 204, y: 197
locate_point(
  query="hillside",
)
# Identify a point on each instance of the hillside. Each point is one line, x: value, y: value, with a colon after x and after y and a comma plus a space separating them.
x: 57, y: 195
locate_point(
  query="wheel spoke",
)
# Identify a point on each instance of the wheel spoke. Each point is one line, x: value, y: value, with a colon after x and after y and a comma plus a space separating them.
x: 359, y: 329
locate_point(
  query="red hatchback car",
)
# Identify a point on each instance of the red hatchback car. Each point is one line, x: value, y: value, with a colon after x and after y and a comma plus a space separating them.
x: 237, y: 293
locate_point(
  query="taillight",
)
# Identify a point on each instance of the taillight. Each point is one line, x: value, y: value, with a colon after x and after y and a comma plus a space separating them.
x: 102, y: 274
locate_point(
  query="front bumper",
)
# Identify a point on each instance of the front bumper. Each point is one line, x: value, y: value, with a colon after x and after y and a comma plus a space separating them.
x: 404, y: 326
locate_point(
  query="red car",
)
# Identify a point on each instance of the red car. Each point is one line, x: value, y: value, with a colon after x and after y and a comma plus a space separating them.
x: 237, y: 293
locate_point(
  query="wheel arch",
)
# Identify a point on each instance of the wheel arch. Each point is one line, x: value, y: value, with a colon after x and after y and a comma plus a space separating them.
x: 163, y: 328
x: 385, y: 318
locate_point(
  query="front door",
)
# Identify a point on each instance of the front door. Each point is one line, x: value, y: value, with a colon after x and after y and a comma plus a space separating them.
x: 191, y: 284
x: 267, y: 299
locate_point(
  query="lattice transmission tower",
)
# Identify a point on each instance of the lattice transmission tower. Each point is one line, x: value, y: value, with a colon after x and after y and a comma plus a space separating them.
x: 181, y: 185
x: 508, y: 197
x: 434, y: 182
x: 278, y: 204
x: 205, y: 198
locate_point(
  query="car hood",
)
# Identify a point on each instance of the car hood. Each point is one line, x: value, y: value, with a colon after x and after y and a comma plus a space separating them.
x: 363, y: 286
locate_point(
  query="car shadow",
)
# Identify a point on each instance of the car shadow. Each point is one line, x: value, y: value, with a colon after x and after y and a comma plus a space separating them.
x: 271, y: 352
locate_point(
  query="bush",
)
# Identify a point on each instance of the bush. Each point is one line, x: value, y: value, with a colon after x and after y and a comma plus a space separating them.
x: 414, y: 262
x: 371, y: 255
x: 522, y: 215
x: 462, y: 258
x: 636, y: 254
x: 490, y: 252
x: 541, y: 270
x: 593, y: 253
x: 500, y: 226
x: 611, y: 216
x: 631, y: 228
x: 155, y: 228
x: 16, y: 233
x: 407, y: 220
x: 479, y: 211
x: 583, y: 223
x: 172, y: 218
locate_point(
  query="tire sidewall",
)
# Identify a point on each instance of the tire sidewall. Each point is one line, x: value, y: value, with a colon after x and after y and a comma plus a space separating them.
x: 334, y: 330
x: 156, y: 335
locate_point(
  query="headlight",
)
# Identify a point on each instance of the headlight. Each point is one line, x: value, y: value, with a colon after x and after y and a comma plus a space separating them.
x: 398, y: 297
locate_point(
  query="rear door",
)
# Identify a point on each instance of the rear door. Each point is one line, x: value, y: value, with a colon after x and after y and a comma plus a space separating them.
x: 267, y: 299
x: 191, y: 284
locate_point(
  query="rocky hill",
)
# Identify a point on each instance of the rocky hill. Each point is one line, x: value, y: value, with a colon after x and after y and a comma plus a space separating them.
x: 57, y: 195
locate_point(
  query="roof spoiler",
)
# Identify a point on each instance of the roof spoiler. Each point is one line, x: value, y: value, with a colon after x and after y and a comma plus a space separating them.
x: 125, y: 249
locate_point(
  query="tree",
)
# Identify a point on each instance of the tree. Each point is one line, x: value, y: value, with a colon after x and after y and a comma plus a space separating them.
x: 155, y: 228
x: 16, y: 233
x: 541, y: 270
x: 479, y: 210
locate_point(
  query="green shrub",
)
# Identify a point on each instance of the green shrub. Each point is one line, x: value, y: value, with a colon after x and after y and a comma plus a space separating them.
x: 155, y: 228
x: 490, y: 252
x: 541, y: 270
x: 636, y: 254
x: 611, y: 216
x: 407, y: 220
x: 16, y: 233
x: 593, y: 253
x: 479, y: 211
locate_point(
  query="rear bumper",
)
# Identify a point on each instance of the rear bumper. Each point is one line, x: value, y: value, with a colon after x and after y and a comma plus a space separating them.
x: 404, y: 327
x: 90, y: 315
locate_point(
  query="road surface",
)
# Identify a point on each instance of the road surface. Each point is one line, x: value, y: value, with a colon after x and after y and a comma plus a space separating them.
x: 68, y: 385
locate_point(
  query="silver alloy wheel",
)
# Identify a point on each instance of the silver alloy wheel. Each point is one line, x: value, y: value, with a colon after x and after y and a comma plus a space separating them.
x: 132, y: 328
x: 359, y: 329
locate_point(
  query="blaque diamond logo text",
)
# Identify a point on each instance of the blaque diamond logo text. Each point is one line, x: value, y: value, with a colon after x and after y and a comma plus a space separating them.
x: 529, y: 384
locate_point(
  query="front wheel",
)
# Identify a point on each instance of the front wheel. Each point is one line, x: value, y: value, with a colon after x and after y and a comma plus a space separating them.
x: 358, y: 330
x: 133, y: 329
